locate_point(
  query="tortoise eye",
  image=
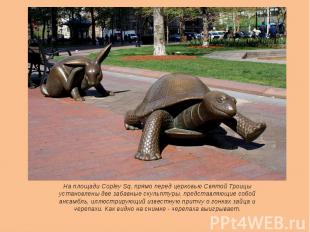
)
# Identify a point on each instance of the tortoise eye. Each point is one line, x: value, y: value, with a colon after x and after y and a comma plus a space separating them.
x: 221, y: 99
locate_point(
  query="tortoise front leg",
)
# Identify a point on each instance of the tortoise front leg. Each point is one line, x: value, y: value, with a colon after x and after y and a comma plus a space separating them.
x: 155, y: 125
x: 245, y: 127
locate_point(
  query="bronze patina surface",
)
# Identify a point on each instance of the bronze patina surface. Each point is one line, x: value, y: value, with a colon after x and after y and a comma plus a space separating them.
x: 74, y: 75
x: 181, y: 106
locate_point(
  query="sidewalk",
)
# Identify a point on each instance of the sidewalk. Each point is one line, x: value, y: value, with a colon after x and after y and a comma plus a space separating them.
x: 84, y: 51
x: 212, y: 82
x: 275, y: 56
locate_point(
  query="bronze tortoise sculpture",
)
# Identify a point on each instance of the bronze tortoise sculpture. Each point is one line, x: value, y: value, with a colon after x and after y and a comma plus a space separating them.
x: 182, y: 106
x: 74, y: 75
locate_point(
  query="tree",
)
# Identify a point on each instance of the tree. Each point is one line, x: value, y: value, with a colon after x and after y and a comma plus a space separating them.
x: 282, y: 14
x: 30, y: 18
x: 93, y: 25
x: 182, y: 14
x: 91, y: 11
x: 159, y: 32
x: 146, y: 16
x: 54, y: 21
x: 38, y: 17
x: 205, y: 24
x: 104, y: 18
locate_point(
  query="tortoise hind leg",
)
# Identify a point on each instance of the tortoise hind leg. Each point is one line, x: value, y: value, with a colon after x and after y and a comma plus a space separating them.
x: 131, y: 121
x: 149, y: 147
x: 245, y: 127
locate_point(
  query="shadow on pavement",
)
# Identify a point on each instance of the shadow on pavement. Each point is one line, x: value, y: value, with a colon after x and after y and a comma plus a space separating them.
x: 95, y: 93
x: 218, y: 138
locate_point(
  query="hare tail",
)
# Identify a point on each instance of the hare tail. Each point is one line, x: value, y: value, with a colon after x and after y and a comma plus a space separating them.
x: 43, y: 86
x: 44, y: 90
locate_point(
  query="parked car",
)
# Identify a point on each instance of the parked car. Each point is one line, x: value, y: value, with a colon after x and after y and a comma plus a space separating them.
x: 189, y: 35
x: 197, y: 35
x: 246, y: 34
x: 132, y: 36
x: 221, y: 34
x: 255, y: 33
x: 214, y: 35
x: 174, y: 38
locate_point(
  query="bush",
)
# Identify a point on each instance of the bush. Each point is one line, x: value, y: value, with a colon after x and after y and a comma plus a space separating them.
x: 250, y: 42
x: 195, y: 42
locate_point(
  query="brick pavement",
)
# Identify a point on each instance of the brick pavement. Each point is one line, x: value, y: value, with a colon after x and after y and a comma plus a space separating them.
x: 71, y: 140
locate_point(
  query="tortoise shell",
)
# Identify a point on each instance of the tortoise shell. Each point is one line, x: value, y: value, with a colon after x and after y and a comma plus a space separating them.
x: 169, y: 90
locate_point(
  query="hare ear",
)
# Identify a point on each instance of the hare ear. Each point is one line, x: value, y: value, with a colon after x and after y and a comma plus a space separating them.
x: 103, y: 54
x: 75, y: 63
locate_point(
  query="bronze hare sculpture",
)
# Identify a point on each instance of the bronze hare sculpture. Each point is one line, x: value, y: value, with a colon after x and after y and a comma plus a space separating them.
x: 74, y: 75
x: 182, y: 106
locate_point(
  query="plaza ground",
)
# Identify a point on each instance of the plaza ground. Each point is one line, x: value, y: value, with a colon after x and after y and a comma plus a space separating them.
x: 71, y: 140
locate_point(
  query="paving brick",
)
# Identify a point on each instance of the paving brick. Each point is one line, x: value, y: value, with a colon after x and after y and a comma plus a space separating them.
x: 71, y: 140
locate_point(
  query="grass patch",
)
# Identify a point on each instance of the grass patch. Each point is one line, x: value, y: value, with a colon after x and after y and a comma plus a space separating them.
x: 248, y: 72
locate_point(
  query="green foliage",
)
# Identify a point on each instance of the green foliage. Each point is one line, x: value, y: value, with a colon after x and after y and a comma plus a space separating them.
x: 188, y: 13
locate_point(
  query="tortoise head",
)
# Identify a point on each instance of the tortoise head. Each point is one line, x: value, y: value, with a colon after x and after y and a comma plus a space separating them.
x: 220, y: 105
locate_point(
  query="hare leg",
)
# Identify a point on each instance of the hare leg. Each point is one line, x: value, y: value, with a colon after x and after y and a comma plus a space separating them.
x: 68, y: 82
x: 245, y: 127
x: 131, y: 121
x: 103, y: 91
x: 76, y: 94
x: 149, y: 147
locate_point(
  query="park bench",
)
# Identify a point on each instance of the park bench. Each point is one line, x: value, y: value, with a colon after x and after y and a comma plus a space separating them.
x: 41, y: 60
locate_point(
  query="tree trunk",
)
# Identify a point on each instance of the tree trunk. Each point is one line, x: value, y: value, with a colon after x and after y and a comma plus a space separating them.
x: 237, y: 23
x: 30, y: 25
x: 284, y: 23
x: 249, y: 20
x: 182, y: 29
x: 112, y: 29
x: 159, y: 32
x: 268, y: 21
x: 43, y: 30
x: 71, y: 14
x: 167, y: 36
x: 205, y: 27
x: 167, y: 28
x: 120, y: 17
x: 93, y: 30
x: 54, y: 23
x: 234, y: 21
